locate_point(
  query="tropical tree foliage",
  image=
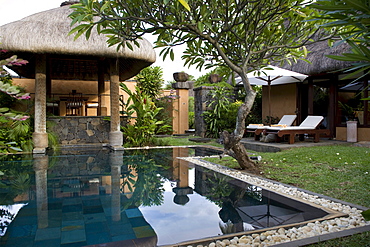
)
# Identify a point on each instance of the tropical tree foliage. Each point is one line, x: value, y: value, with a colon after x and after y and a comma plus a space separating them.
x: 240, y: 35
x: 142, y: 180
x: 352, y: 20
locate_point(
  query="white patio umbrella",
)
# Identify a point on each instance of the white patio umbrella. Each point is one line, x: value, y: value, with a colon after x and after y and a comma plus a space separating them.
x: 272, y: 75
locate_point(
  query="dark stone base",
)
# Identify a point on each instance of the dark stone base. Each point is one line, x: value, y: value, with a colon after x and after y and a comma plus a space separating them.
x: 200, y: 139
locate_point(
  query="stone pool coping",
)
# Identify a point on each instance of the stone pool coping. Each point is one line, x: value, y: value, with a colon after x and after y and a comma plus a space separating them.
x: 351, y: 214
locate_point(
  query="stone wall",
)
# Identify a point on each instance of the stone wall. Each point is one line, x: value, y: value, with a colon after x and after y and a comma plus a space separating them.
x: 82, y: 130
x: 202, y: 98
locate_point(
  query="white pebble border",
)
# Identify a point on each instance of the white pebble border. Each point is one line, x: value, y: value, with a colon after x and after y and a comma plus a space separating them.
x: 282, y: 235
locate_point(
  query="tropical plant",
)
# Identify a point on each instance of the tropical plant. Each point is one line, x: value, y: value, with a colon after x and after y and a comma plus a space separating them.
x: 21, y: 133
x: 352, y: 19
x: 191, y: 103
x: 255, y: 116
x: 150, y: 80
x: 13, y: 127
x: 53, y: 141
x: 142, y: 131
x: 218, y: 105
x: 242, y: 35
x: 8, y: 91
x: 165, y: 115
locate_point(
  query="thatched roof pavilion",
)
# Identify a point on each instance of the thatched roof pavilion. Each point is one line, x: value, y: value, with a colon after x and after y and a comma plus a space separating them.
x: 47, y: 33
x: 320, y: 63
x: 326, y: 73
x: 43, y: 40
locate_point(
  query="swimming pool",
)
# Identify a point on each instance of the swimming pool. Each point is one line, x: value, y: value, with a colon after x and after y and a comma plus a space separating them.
x: 144, y: 197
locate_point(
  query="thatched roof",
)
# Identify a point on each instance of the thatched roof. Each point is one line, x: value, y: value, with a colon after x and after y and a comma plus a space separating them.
x: 320, y: 63
x: 47, y: 33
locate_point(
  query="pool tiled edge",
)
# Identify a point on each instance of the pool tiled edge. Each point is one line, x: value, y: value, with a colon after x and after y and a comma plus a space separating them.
x: 339, y: 210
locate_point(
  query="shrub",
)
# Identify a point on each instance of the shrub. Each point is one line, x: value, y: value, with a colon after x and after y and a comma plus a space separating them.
x: 219, y: 106
x: 142, y: 132
x: 150, y: 80
x: 14, y: 130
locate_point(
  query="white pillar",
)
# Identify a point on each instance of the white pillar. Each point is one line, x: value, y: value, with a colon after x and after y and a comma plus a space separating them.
x: 115, y: 134
x: 40, y: 137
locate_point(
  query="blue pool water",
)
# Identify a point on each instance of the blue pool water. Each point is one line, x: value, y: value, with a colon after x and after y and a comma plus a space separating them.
x: 132, y: 198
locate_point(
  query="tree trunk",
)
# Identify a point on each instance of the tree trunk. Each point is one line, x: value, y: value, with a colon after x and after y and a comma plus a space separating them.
x: 236, y: 149
x: 232, y: 144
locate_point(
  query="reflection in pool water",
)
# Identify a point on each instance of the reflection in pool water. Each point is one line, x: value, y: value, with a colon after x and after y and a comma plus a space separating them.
x: 134, y: 197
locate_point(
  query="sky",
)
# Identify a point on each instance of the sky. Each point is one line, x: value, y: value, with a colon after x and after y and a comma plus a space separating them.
x: 13, y: 10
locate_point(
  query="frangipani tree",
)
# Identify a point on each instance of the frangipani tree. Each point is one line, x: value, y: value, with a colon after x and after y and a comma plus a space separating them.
x: 241, y: 35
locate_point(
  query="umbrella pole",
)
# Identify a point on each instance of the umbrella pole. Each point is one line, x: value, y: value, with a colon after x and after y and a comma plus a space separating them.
x: 269, y: 93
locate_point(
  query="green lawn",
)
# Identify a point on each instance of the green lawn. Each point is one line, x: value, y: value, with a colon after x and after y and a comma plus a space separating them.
x: 339, y: 171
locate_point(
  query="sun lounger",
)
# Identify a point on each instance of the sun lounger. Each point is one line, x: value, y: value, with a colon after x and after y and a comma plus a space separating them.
x: 257, y: 129
x: 308, y: 126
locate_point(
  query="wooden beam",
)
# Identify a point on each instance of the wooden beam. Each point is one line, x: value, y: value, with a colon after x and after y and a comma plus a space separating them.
x: 333, y: 106
x: 310, y: 96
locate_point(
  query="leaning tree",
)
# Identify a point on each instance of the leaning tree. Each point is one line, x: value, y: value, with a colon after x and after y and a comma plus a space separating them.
x: 242, y: 35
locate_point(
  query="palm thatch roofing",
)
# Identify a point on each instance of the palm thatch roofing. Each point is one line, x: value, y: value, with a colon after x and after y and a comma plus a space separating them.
x: 47, y: 33
x: 320, y: 63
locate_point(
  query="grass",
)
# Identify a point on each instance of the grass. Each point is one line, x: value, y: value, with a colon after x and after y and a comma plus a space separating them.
x: 338, y: 171
x: 184, y: 141
x: 342, y: 172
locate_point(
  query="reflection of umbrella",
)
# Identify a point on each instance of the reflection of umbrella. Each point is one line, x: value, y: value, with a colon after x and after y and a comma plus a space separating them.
x: 272, y: 75
x: 262, y: 216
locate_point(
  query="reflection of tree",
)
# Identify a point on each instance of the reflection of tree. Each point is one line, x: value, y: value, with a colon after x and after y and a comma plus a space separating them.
x: 143, y: 180
x: 14, y: 181
x: 16, y: 163
x: 16, y: 178
x: 223, y: 192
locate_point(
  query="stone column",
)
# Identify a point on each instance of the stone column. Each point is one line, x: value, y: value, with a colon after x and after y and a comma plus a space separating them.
x: 180, y: 172
x: 201, y: 99
x: 40, y: 167
x: 116, y: 163
x: 40, y: 137
x: 180, y: 121
x: 115, y: 134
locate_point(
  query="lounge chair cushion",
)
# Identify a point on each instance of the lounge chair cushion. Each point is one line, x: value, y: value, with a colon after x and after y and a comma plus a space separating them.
x: 285, y: 120
x: 311, y: 122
